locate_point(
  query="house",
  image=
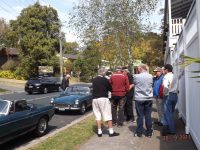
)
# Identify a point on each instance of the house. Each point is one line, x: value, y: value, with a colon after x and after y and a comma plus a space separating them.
x: 7, y: 54
x: 182, y: 37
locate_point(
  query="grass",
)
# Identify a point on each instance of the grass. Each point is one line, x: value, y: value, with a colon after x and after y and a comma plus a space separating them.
x: 71, y: 138
x: 3, y: 90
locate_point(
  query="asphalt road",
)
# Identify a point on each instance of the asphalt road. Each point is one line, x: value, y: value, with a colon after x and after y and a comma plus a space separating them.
x: 59, y: 120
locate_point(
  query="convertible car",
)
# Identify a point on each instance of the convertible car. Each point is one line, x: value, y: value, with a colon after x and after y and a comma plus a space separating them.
x: 19, y: 117
x: 76, y: 97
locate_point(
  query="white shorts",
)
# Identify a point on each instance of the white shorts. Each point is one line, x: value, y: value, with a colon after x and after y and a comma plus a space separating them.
x: 102, y: 109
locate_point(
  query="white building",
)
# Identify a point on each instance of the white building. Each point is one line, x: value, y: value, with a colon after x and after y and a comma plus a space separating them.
x: 182, y: 30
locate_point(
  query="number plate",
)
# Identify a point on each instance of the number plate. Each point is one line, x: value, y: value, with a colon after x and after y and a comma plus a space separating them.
x: 30, y: 86
x: 63, y: 109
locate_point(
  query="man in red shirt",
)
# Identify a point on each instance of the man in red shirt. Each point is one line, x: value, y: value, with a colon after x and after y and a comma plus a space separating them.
x: 120, y: 86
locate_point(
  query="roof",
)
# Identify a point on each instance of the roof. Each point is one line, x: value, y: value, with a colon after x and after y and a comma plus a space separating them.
x: 180, y: 8
x: 70, y: 56
x: 9, y: 51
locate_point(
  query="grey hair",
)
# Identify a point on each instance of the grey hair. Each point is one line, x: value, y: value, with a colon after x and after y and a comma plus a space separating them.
x: 102, y: 71
x: 143, y: 66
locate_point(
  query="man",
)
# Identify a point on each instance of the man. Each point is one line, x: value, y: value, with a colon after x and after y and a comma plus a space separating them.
x: 65, y: 82
x: 170, y: 85
x: 101, y: 104
x: 120, y: 87
x: 128, y: 109
x: 143, y: 100
x: 156, y: 94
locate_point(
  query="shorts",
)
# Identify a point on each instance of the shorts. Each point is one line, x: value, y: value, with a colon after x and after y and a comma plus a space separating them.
x: 102, y: 109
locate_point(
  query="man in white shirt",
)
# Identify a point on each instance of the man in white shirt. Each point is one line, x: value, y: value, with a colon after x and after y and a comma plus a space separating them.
x: 170, y: 85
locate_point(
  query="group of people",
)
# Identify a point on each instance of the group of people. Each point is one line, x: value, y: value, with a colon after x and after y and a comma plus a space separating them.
x: 143, y: 88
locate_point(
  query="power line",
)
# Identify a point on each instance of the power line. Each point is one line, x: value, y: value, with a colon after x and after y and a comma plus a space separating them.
x: 9, y: 6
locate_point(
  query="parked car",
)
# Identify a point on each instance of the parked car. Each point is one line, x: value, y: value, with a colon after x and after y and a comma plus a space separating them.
x: 42, y: 85
x: 76, y: 97
x: 19, y: 117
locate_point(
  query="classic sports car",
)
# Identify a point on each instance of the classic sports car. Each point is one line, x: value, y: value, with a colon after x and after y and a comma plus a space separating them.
x: 19, y: 117
x: 76, y: 97
x: 41, y: 85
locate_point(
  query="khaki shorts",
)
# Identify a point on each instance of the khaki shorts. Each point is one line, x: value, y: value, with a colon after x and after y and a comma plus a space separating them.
x: 102, y: 109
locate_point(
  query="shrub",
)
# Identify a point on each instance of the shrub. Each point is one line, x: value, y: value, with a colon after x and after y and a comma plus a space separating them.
x: 9, y: 75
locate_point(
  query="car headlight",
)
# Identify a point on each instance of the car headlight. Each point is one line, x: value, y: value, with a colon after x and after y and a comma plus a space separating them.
x: 52, y: 99
x: 37, y: 84
x: 77, y: 102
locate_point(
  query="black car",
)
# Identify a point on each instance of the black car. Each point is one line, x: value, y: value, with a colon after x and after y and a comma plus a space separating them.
x: 19, y: 117
x: 42, y: 85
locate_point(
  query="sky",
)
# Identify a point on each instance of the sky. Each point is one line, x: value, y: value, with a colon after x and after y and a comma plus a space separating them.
x: 10, y: 9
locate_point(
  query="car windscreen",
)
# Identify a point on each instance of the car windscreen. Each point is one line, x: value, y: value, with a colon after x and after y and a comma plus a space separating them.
x: 77, y: 90
x: 34, y: 81
x: 4, y: 106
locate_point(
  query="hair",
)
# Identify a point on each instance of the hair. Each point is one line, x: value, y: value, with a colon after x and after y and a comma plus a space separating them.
x: 102, y: 71
x: 168, y: 67
x: 143, y: 67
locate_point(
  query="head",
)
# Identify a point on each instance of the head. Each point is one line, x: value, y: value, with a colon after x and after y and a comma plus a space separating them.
x: 125, y: 70
x: 168, y: 68
x: 67, y: 76
x: 102, y: 72
x: 158, y: 71
x: 118, y: 69
x: 142, y: 68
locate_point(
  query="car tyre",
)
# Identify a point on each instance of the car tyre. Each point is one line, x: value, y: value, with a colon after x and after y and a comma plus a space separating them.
x: 83, y: 109
x: 45, y: 90
x: 29, y: 92
x: 42, y: 126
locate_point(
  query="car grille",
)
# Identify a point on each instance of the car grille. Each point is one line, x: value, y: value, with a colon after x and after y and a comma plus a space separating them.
x: 62, y: 105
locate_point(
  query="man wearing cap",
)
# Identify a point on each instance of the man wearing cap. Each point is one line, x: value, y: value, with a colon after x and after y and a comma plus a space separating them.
x: 170, y: 90
x: 120, y: 86
x: 156, y: 94
x: 101, y: 104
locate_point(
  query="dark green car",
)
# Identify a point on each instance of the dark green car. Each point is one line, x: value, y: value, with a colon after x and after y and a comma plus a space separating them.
x: 19, y: 117
x: 77, y: 97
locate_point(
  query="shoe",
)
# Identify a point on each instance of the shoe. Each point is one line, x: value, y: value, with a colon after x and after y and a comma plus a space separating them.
x: 164, y: 131
x: 114, y: 134
x: 149, y: 135
x: 99, y: 135
x: 120, y: 125
x: 137, y: 135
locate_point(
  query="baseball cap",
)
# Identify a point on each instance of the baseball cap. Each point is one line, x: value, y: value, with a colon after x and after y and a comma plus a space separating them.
x: 158, y: 69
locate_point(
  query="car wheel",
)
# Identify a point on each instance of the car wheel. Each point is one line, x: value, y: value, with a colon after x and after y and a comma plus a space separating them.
x: 29, y: 92
x: 83, y: 109
x: 45, y: 90
x: 42, y: 126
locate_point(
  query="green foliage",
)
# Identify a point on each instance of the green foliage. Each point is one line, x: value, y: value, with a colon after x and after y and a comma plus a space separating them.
x: 87, y: 65
x: 70, y: 48
x: 10, y: 75
x: 4, y: 28
x: 190, y: 60
x: 35, y: 31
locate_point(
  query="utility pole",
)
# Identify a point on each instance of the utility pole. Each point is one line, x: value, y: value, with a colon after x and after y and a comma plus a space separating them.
x: 61, y: 53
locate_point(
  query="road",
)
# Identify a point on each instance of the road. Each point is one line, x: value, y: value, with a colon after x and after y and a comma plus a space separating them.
x: 59, y: 120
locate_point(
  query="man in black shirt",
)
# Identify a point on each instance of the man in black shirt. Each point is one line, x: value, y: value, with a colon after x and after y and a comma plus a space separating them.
x: 101, y: 104
x: 128, y: 108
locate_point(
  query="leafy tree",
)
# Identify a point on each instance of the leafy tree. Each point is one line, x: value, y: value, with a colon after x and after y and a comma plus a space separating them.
x: 36, y: 30
x: 70, y: 48
x: 4, y: 28
x: 121, y: 20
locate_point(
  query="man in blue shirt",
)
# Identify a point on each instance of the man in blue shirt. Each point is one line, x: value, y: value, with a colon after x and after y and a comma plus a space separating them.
x: 156, y: 94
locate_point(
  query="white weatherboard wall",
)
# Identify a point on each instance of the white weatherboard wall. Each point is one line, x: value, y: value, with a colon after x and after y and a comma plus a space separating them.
x: 189, y: 96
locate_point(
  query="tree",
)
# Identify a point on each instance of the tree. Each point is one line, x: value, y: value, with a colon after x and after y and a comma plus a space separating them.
x: 4, y: 27
x: 122, y: 20
x: 35, y: 30
x: 70, y: 48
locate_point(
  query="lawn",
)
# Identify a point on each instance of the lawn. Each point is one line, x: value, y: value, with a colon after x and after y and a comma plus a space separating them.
x: 2, y: 90
x: 71, y: 138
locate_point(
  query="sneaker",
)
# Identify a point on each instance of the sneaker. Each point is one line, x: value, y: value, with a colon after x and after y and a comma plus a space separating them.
x: 99, y: 135
x: 137, y: 135
x: 114, y: 134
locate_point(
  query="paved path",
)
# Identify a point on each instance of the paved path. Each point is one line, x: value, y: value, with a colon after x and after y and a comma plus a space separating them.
x: 126, y: 140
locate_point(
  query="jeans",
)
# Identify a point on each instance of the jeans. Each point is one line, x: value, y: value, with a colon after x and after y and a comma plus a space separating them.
x: 118, y: 102
x: 159, y: 105
x: 144, y: 109
x: 169, y: 104
x: 128, y: 109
